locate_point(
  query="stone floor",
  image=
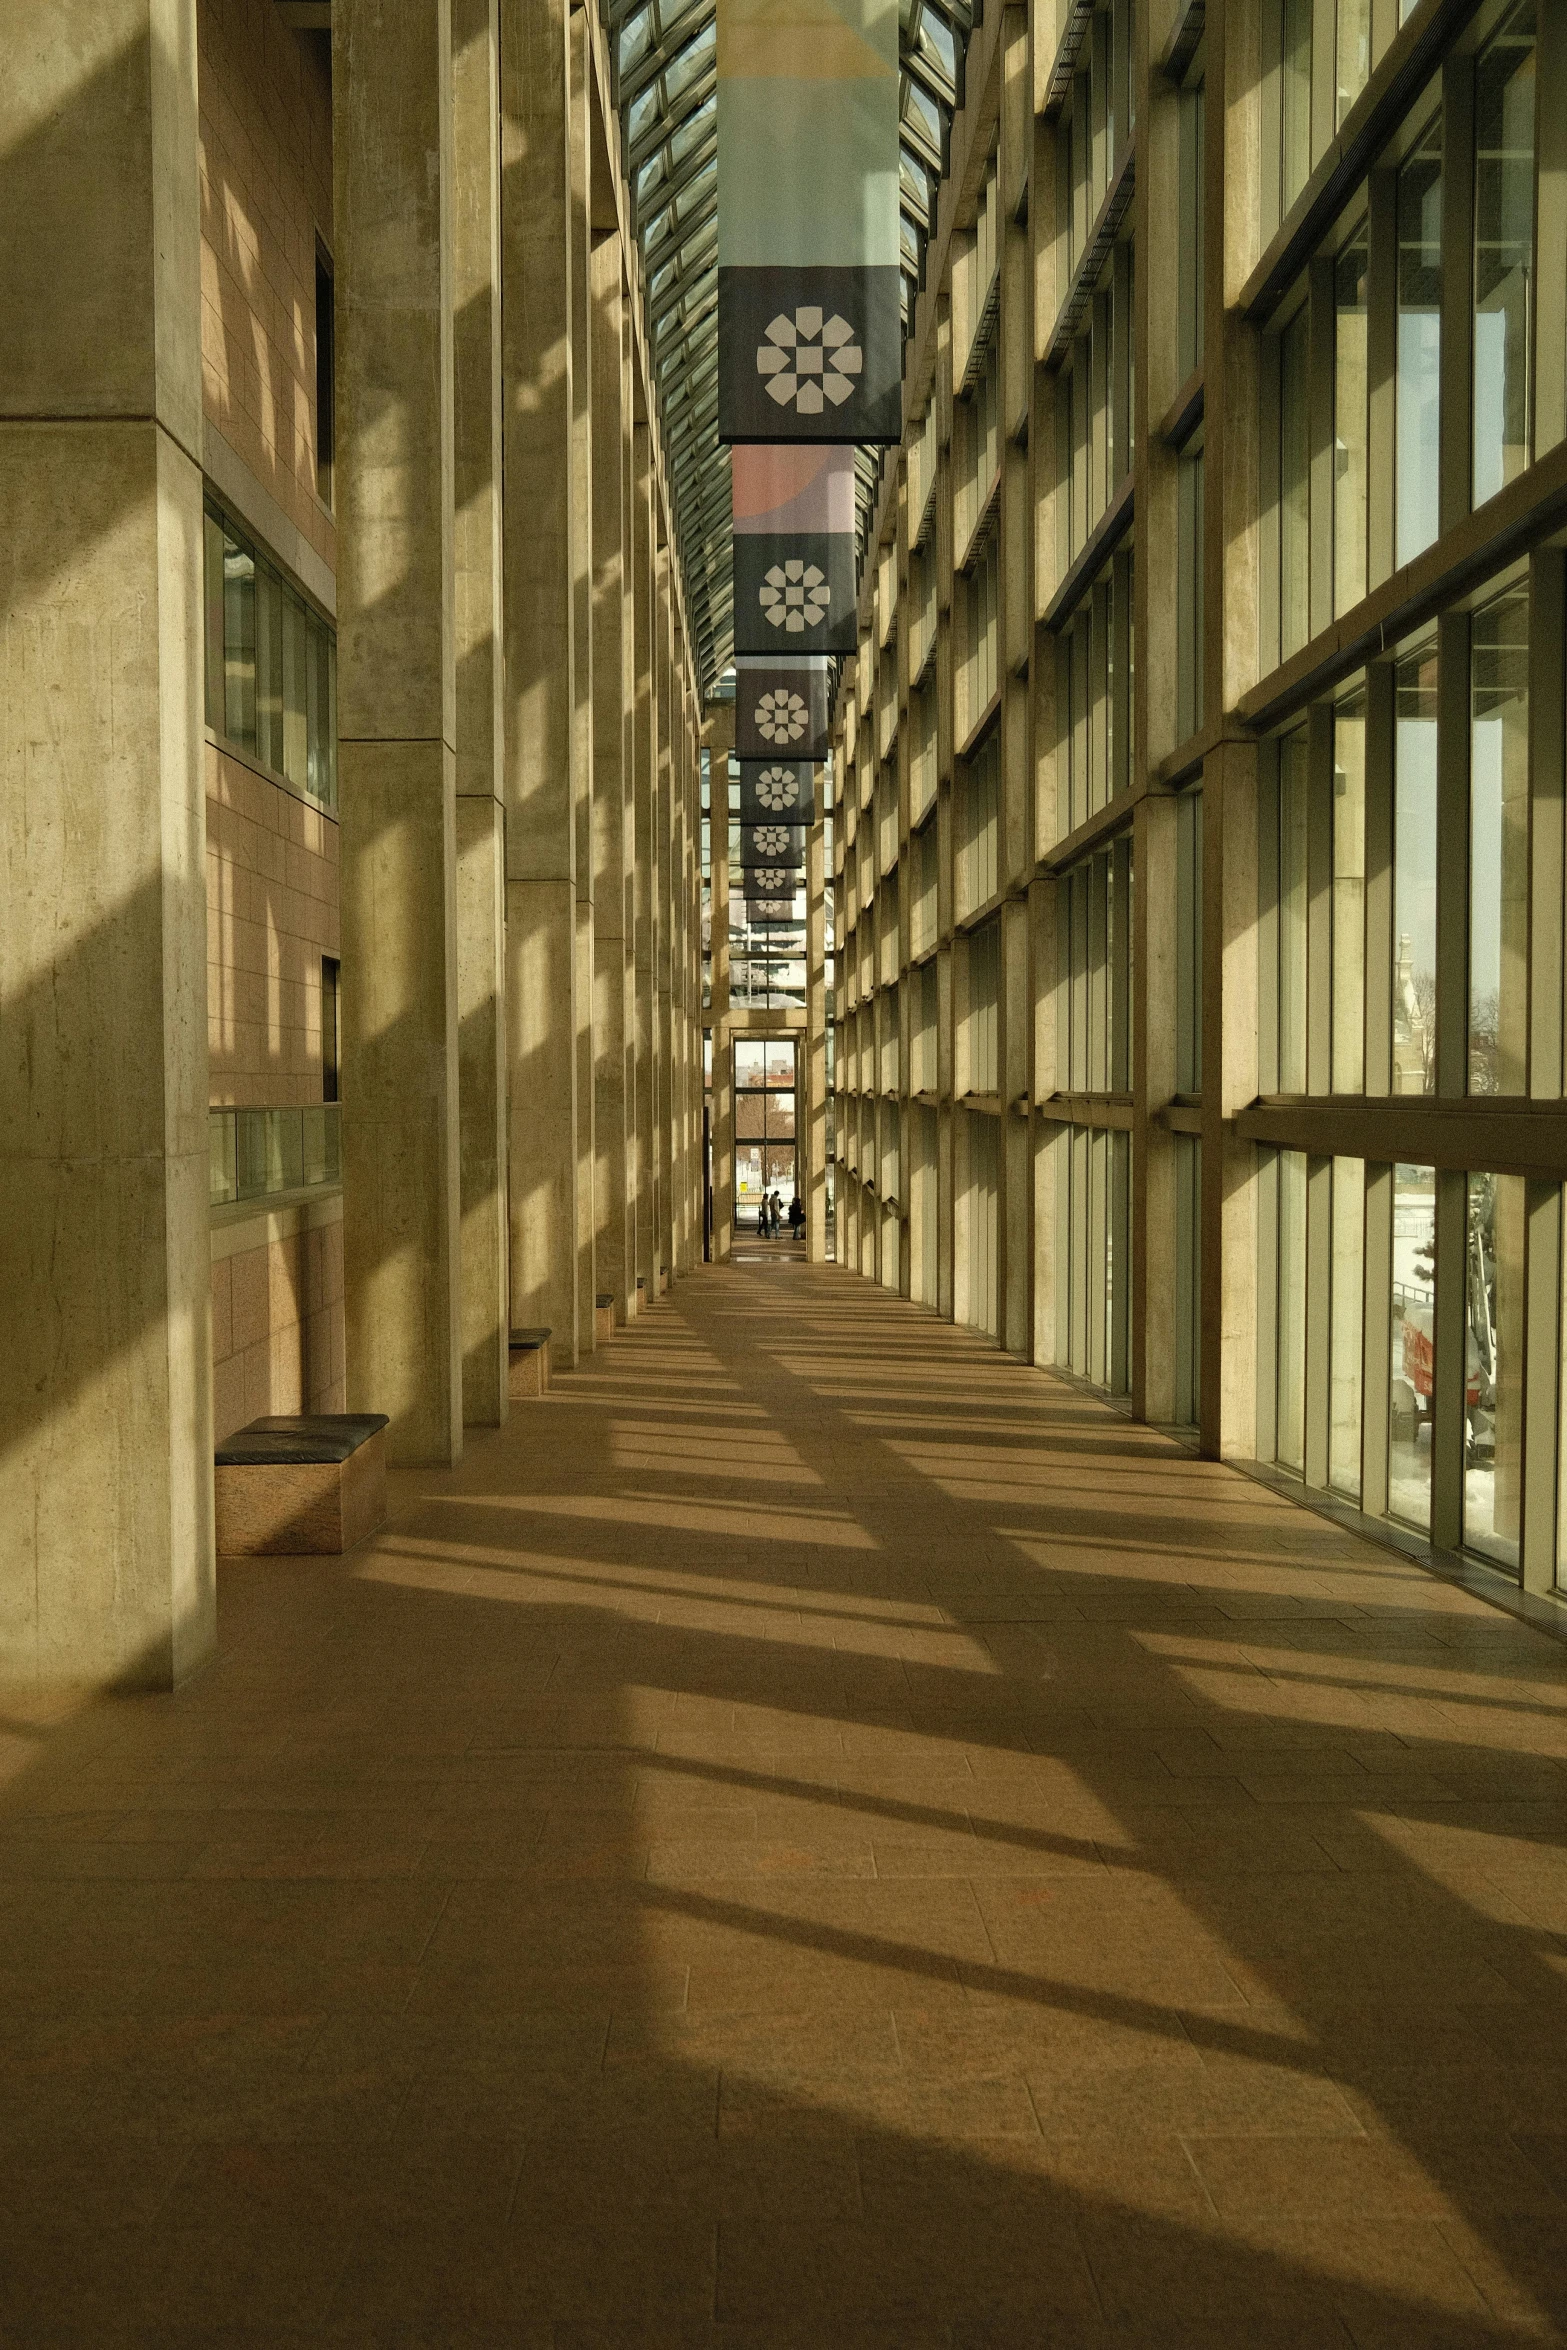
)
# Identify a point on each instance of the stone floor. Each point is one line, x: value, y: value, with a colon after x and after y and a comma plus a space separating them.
x: 817, y: 1836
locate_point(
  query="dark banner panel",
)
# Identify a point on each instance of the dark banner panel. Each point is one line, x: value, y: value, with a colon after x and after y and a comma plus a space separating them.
x: 780, y: 711
x: 782, y: 792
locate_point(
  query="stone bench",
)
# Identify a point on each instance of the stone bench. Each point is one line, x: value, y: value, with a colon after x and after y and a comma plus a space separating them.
x: 603, y: 1316
x: 530, y: 1363
x: 296, y: 1483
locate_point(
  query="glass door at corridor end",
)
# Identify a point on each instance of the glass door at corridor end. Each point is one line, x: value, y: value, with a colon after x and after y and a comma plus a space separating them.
x: 765, y: 1141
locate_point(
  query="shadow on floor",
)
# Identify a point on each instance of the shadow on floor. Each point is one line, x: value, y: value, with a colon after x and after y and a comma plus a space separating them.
x: 816, y: 1834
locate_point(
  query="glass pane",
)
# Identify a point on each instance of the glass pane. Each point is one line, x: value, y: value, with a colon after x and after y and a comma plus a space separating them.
x: 1413, y: 1331
x: 1349, y: 894
x: 1499, y: 846
x: 1354, y: 52
x: 1414, y: 874
x: 269, y: 666
x: 1188, y: 943
x: 1294, y: 100
x: 214, y: 623
x: 1346, y: 1344
x: 1349, y: 420
x: 239, y: 643
x: 1419, y: 342
x: 748, y: 1182
x: 750, y: 1060
x: 1188, y: 1277
x: 1504, y: 252
x: 1291, y: 1440
x: 780, y: 1063
x: 1294, y: 488
x: 1493, y: 1368
x: 1292, y: 912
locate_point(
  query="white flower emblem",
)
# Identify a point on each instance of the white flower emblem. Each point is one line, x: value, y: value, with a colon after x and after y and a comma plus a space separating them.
x: 795, y: 596
x: 777, y: 787
x: 772, y: 909
x: 806, y: 362
x: 772, y: 840
x: 772, y: 877
x: 780, y: 716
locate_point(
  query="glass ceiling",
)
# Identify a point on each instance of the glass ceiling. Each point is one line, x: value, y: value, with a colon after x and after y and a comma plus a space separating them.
x: 665, y: 62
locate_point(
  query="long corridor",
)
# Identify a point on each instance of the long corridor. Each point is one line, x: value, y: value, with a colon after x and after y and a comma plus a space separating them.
x: 815, y: 1835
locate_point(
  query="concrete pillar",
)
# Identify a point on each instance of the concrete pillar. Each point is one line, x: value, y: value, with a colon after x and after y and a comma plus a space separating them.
x: 614, y: 1008
x: 391, y: 78
x: 541, y: 887
x: 812, y: 1125
x: 643, y: 727
x: 663, y: 1026
x: 481, y: 821
x: 106, y: 1568
x: 579, y: 163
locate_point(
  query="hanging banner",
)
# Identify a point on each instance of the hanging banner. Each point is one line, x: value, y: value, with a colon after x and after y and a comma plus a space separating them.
x: 780, y: 711
x: 772, y: 844
x: 785, y: 790
x: 794, y: 549
x: 772, y: 913
x: 810, y: 293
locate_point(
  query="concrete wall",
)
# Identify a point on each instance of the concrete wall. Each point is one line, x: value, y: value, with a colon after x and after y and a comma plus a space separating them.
x: 266, y: 195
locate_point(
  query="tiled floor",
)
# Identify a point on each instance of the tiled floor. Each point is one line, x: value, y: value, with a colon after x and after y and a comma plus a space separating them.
x: 816, y: 1836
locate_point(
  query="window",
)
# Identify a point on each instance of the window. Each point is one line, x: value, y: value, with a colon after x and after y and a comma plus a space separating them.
x: 271, y: 665
x: 1413, y: 1345
x: 979, y: 820
x: 982, y: 1034
x: 1414, y: 872
x: 1094, y: 972
x: 1188, y: 942
x: 1094, y: 660
x: 1293, y: 832
x: 1294, y: 484
x: 1503, y: 253
x: 1349, y: 893
x: 1419, y: 355
x: 1493, y: 1366
x: 1188, y: 1279
x: 1350, y: 281
x: 764, y: 1074
x: 326, y: 377
x: 1499, y: 845
x: 330, y: 1044
x: 1190, y: 636
x: 1194, y: 134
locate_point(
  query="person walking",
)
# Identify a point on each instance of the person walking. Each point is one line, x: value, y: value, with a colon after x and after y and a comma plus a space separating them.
x: 796, y: 1216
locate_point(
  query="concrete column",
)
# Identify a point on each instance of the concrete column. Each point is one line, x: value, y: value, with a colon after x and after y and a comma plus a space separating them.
x: 663, y: 1024
x: 541, y: 888
x: 391, y: 73
x: 813, y: 1125
x: 106, y: 1568
x: 614, y: 1006
x: 645, y: 763
x: 481, y: 744
x: 580, y: 151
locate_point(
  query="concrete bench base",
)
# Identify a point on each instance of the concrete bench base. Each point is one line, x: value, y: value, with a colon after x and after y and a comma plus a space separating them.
x: 603, y: 1318
x: 300, y: 1486
x: 530, y: 1364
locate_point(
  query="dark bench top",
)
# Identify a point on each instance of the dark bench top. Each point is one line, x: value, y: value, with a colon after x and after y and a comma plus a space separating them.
x: 299, y: 1439
x: 603, y: 1297
x: 526, y: 1340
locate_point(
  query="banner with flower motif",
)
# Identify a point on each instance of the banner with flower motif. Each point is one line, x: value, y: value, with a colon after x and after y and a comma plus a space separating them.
x: 780, y: 709
x: 794, y: 547
x: 810, y: 318
x: 781, y: 846
x: 781, y: 788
